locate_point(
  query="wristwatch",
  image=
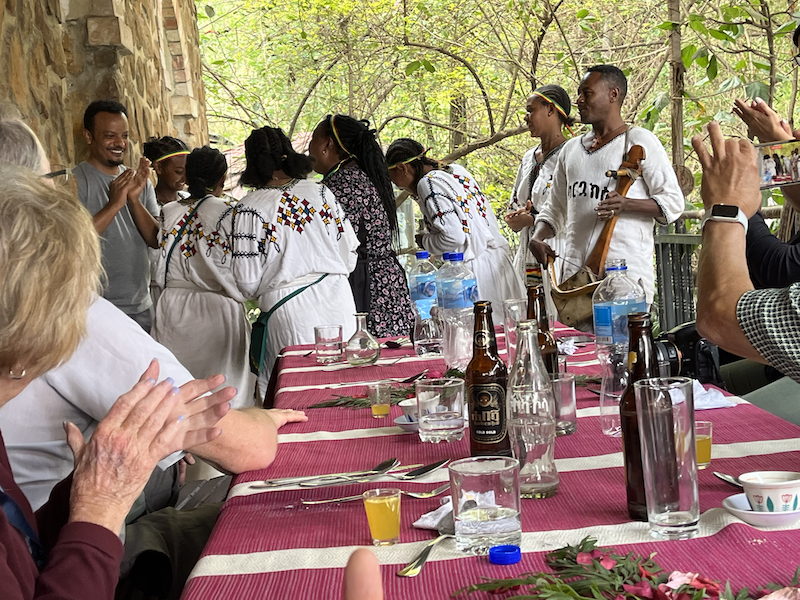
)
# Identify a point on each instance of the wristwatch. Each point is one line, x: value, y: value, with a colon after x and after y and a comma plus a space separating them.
x: 726, y: 213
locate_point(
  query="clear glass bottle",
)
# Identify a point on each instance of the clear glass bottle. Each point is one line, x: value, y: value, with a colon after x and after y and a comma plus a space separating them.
x: 362, y: 348
x: 532, y: 416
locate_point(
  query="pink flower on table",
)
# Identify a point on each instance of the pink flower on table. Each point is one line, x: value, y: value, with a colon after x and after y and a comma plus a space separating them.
x: 642, y: 589
x: 677, y: 579
x: 586, y: 558
x: 787, y: 593
x: 583, y: 558
x: 645, y: 574
x: 434, y: 375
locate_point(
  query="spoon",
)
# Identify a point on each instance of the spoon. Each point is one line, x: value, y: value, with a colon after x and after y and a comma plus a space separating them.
x: 349, y: 478
x: 418, y: 495
x: 379, y: 468
x: 728, y: 478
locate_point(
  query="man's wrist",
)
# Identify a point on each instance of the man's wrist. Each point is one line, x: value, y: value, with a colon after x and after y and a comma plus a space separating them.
x: 725, y: 213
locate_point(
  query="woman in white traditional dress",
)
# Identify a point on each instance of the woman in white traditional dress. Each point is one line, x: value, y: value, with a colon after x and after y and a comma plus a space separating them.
x: 546, y: 114
x: 293, y: 249
x: 200, y: 314
x: 458, y: 218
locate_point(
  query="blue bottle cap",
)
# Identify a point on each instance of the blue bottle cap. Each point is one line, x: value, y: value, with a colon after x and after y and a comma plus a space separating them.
x: 505, y: 555
x: 456, y: 256
x: 423, y: 254
x: 446, y: 256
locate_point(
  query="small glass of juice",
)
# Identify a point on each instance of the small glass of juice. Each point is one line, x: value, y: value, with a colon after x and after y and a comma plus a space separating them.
x: 702, y: 436
x: 380, y: 399
x: 383, y: 514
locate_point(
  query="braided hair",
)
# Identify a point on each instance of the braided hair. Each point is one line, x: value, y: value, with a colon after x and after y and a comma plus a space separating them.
x: 403, y: 149
x: 268, y: 150
x: 205, y: 167
x: 156, y: 148
x: 560, y: 98
x: 353, y: 138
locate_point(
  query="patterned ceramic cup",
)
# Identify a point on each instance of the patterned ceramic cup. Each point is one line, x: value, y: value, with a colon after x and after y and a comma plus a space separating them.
x: 772, y: 491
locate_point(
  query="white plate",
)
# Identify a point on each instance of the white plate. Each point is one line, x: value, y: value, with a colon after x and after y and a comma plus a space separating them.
x: 406, y: 425
x: 738, y: 506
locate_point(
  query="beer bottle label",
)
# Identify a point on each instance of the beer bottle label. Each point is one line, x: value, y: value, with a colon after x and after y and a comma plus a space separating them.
x: 482, y: 339
x: 487, y: 413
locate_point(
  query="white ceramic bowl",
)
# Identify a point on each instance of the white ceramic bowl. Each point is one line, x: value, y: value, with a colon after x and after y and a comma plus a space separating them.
x: 406, y: 425
x: 409, y: 407
x: 772, y: 491
x: 739, y: 507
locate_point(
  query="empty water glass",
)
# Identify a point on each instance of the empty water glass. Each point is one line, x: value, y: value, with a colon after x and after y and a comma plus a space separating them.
x: 514, y: 311
x: 564, y: 394
x: 440, y: 405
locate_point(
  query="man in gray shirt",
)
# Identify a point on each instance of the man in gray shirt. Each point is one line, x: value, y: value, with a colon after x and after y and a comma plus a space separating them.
x: 123, y: 204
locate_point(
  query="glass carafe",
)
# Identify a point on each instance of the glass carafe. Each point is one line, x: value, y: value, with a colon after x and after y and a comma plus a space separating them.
x: 532, y: 416
x: 362, y: 348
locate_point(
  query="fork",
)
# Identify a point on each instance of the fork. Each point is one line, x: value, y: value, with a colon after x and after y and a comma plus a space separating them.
x: 418, y: 495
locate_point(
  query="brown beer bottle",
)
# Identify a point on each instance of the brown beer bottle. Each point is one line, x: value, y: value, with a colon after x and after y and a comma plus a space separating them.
x: 486, y: 380
x: 537, y: 311
x: 642, y: 364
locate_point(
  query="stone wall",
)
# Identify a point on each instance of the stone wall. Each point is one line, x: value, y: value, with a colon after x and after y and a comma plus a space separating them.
x: 62, y: 54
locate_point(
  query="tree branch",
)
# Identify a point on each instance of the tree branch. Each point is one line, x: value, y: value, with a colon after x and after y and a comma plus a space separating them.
x: 470, y: 68
x: 218, y: 79
x: 424, y: 121
x: 493, y: 139
x: 307, y: 95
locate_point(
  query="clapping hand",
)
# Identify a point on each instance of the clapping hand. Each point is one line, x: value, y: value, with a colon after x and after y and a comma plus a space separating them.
x: 112, y: 468
x: 139, y: 180
x: 763, y: 122
x: 730, y: 174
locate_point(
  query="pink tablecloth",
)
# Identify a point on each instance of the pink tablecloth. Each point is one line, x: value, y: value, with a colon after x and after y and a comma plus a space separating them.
x: 268, y: 545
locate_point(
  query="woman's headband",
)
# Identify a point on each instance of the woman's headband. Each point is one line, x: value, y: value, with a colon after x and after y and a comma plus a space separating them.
x: 557, y: 107
x: 171, y: 154
x: 338, y: 139
x: 408, y: 160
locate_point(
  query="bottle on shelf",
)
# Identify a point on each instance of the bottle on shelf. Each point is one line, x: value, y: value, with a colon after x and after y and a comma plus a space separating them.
x: 643, y: 364
x: 486, y: 381
x: 427, y: 328
x: 362, y: 348
x: 532, y: 416
x: 459, y: 291
x: 537, y: 312
x: 613, y: 300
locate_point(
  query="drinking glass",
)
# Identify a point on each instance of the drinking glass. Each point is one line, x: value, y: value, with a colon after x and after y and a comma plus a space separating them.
x: 702, y: 436
x: 665, y: 411
x: 486, y: 504
x: 328, y: 343
x: 380, y: 399
x: 440, y: 406
x: 564, y: 393
x: 514, y: 311
x: 562, y: 363
x: 614, y: 361
x: 383, y: 515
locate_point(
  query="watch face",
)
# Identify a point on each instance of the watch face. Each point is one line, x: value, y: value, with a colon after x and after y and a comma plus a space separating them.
x: 726, y: 211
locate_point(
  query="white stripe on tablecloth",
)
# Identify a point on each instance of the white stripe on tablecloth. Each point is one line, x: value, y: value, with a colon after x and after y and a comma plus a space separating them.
x: 711, y: 522
x: 566, y: 465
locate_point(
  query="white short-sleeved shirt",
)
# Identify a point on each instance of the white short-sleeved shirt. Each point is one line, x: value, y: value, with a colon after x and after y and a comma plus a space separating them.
x: 108, y: 362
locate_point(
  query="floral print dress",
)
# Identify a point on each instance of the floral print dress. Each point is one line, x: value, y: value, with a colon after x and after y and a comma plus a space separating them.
x: 378, y: 281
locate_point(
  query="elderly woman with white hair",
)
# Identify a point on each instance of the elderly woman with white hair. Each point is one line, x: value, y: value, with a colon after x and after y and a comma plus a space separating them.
x: 49, y: 274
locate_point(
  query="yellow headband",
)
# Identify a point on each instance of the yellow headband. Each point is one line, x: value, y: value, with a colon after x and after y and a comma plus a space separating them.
x: 171, y: 154
x: 338, y: 139
x: 557, y: 107
x: 408, y: 160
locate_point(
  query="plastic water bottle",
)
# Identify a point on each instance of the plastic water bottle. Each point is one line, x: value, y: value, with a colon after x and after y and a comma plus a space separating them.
x: 616, y: 297
x: 459, y: 292
x: 427, y: 328
x: 440, y: 275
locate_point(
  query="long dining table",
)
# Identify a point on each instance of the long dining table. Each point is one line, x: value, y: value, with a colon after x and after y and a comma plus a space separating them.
x: 266, y: 544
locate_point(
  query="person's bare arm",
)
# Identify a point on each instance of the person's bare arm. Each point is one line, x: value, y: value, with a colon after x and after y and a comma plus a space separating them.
x: 249, y: 439
x: 538, y: 247
x: 730, y: 176
x: 614, y: 204
x: 145, y: 222
x: 117, y: 196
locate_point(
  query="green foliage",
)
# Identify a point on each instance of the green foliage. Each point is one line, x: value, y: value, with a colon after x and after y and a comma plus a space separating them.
x: 421, y: 69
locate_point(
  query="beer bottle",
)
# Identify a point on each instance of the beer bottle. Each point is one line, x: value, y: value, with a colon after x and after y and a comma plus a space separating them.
x: 642, y: 364
x: 486, y: 380
x: 537, y: 311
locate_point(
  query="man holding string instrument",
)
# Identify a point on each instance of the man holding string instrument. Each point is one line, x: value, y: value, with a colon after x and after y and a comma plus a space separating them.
x: 583, y: 196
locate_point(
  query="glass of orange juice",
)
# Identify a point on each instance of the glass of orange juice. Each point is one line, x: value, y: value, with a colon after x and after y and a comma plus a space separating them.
x: 383, y: 514
x: 380, y: 399
x: 702, y: 436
